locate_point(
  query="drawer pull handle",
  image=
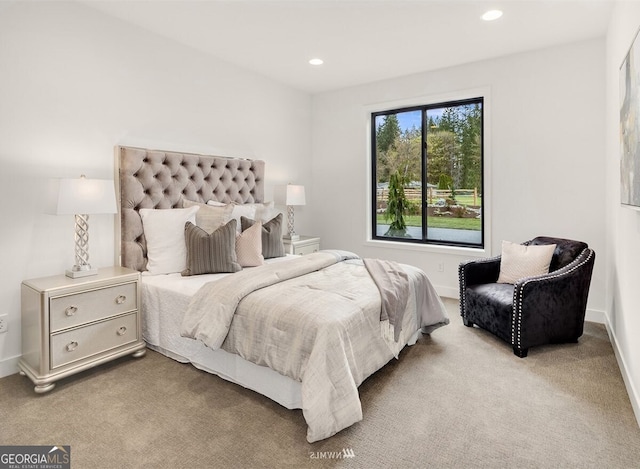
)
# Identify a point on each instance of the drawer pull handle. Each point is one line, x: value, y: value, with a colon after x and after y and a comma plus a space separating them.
x: 122, y: 330
x: 71, y: 310
x: 120, y: 299
x: 72, y: 346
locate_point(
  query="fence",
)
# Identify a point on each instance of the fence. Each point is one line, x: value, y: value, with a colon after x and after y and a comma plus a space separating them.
x: 432, y: 194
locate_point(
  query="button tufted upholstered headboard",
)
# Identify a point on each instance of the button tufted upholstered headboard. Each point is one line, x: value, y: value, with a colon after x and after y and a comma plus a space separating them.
x: 160, y: 179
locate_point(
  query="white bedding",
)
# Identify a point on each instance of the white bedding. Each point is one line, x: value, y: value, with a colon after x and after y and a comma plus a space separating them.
x: 166, y: 298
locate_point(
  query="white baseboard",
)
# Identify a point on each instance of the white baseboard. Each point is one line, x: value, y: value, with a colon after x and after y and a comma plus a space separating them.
x: 634, y: 397
x: 447, y: 292
x: 9, y: 366
x: 593, y: 315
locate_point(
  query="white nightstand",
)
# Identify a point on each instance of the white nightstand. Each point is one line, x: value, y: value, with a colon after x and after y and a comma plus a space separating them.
x: 302, y: 246
x: 70, y: 325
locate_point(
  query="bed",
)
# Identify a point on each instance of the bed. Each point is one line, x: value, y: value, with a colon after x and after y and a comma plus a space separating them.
x: 245, y: 324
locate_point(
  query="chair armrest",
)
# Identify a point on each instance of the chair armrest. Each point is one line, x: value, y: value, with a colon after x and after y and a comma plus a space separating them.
x: 476, y: 272
x: 554, y: 304
x: 479, y: 271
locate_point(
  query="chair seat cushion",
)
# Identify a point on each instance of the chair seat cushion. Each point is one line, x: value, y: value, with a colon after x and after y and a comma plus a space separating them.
x: 490, y: 306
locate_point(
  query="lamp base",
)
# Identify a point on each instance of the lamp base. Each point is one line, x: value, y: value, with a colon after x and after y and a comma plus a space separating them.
x: 73, y: 273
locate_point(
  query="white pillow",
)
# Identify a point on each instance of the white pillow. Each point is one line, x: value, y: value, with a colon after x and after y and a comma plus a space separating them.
x: 245, y: 210
x: 164, y: 232
x: 265, y: 211
x: 520, y: 261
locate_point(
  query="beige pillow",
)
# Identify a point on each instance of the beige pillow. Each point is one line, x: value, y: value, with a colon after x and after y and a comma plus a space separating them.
x: 264, y: 211
x: 249, y: 246
x: 210, y: 218
x: 520, y: 261
x: 237, y: 210
x: 272, y: 245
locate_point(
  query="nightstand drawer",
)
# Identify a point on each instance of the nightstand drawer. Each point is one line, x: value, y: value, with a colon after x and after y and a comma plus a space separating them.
x: 83, y: 342
x: 304, y: 250
x: 81, y: 308
x: 302, y: 246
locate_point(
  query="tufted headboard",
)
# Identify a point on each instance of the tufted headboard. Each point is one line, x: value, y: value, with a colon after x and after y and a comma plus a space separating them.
x: 160, y: 179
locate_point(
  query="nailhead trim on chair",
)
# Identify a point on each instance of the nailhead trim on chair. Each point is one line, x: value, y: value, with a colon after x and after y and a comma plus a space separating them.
x: 462, y: 284
x: 516, y: 323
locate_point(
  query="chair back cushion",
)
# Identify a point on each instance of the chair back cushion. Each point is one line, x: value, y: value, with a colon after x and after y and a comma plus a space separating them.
x: 524, y: 260
x: 566, y: 250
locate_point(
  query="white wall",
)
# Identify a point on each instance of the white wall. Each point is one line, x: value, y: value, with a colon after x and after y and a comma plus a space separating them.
x: 74, y: 83
x: 545, y: 155
x: 623, y: 224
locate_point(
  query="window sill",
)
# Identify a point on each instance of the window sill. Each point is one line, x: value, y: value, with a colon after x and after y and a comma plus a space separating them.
x: 440, y: 249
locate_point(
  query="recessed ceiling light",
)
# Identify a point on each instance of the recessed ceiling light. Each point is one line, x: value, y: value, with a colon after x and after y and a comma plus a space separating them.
x: 316, y: 61
x: 492, y: 15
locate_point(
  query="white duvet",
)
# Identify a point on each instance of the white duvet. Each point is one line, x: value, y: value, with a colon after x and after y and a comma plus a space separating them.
x: 316, y: 320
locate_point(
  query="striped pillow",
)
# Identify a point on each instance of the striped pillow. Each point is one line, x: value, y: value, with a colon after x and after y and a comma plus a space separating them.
x: 271, y: 236
x: 211, y: 253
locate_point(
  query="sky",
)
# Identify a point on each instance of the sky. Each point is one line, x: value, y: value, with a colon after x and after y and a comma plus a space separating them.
x: 409, y: 119
x: 412, y: 118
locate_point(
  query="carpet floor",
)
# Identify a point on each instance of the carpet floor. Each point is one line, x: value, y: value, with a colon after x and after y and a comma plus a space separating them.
x: 456, y: 399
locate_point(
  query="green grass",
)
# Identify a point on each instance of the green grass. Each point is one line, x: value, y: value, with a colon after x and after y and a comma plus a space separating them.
x: 439, y: 222
x: 453, y: 223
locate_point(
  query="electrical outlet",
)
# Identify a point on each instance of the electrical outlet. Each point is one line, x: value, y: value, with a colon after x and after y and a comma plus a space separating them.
x: 4, y: 323
x: 440, y: 266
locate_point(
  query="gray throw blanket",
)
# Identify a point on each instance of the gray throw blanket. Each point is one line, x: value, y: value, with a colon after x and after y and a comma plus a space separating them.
x: 393, y: 284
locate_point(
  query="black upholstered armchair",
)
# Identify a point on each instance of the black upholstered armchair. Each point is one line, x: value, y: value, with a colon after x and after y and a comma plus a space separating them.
x: 548, y: 308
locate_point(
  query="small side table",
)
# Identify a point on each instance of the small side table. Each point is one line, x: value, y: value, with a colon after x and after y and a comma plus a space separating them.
x: 302, y: 246
x: 70, y: 325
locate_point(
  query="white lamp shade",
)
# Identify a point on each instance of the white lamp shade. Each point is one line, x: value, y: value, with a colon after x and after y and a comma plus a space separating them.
x: 84, y: 196
x: 290, y: 195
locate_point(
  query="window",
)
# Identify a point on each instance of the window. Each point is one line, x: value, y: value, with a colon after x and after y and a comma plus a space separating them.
x: 427, y: 170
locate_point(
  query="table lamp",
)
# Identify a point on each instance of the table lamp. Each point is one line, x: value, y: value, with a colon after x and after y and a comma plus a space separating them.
x: 290, y: 195
x: 81, y: 197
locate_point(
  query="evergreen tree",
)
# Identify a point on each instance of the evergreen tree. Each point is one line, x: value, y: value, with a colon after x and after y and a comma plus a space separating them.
x: 396, y: 206
x: 387, y: 133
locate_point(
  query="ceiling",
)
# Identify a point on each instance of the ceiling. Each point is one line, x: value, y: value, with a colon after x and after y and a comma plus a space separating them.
x: 360, y: 41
